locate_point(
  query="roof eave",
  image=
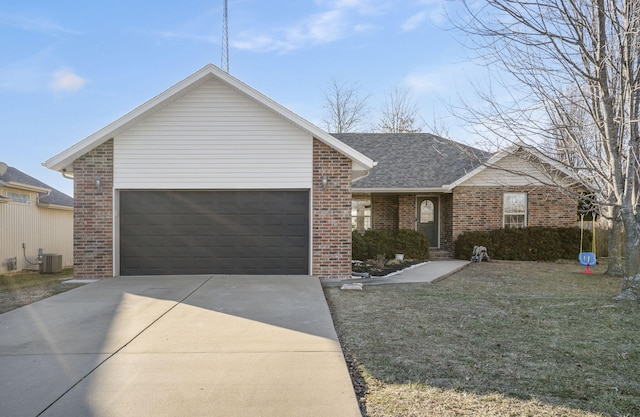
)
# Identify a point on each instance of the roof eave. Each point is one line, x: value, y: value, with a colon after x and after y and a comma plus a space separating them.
x: 27, y: 187
x: 54, y: 206
x: 390, y: 190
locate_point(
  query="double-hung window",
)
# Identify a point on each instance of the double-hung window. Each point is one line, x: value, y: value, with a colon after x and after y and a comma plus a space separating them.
x: 514, y: 211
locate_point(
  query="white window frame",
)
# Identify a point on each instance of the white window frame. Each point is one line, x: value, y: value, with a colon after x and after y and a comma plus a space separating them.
x: 361, y: 214
x: 506, y: 212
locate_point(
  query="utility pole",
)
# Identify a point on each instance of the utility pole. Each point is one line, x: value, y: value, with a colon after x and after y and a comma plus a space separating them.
x: 224, y: 62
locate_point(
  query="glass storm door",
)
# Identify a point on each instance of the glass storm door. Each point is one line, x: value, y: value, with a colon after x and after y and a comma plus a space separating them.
x: 428, y: 219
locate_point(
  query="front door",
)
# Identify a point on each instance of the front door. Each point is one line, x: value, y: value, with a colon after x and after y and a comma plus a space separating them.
x: 428, y: 219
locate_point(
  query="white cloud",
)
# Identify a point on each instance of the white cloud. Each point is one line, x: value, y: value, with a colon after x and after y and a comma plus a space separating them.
x: 440, y: 79
x: 34, y: 24
x: 66, y: 80
x: 435, y: 12
x: 414, y: 21
x: 320, y: 28
x: 340, y: 19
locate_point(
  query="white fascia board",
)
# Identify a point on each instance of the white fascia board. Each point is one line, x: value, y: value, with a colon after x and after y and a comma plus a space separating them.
x: 65, y: 159
x: 54, y: 206
x: 27, y: 187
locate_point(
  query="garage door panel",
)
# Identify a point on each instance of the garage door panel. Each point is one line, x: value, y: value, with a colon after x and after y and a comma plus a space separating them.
x: 200, y: 232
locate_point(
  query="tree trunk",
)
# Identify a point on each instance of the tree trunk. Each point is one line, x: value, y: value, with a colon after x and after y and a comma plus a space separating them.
x: 631, y: 281
x: 615, y: 263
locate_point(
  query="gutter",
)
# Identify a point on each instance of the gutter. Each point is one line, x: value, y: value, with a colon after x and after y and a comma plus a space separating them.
x: 439, y: 190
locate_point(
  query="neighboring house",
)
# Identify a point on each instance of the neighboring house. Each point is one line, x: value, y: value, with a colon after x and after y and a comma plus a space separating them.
x: 35, y: 215
x: 211, y: 176
x: 442, y: 188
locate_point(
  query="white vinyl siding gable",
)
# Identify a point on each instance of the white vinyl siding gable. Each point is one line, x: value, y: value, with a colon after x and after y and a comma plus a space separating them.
x: 510, y: 171
x: 214, y: 137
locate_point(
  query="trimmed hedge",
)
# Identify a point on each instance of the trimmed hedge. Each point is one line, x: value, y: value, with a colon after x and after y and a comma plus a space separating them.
x: 525, y: 244
x: 413, y: 244
x: 372, y: 243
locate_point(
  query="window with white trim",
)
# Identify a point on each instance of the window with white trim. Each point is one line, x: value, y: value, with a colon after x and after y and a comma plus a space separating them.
x: 361, y: 214
x: 514, y: 210
x: 19, y: 198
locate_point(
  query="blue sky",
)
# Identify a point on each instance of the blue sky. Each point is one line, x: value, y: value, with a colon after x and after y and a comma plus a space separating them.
x: 70, y: 67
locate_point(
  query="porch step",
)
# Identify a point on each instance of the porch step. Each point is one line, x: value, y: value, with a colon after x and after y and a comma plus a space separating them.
x: 440, y: 254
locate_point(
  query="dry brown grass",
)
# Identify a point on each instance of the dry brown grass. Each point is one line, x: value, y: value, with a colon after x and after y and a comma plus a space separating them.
x: 21, y: 289
x: 495, y: 339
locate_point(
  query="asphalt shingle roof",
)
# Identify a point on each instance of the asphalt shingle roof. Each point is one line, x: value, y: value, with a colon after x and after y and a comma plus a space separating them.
x: 412, y: 160
x: 55, y: 197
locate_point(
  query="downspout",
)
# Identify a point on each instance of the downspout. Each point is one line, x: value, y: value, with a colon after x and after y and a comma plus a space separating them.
x: 40, y: 195
x: 67, y: 176
x: 366, y: 174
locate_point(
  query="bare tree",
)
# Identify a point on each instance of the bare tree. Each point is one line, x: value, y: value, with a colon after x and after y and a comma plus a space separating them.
x: 345, y: 109
x: 574, y: 127
x: 571, y: 68
x: 400, y: 113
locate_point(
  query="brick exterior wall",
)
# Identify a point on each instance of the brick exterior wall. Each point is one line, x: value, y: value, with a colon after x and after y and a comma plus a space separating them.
x: 384, y: 212
x: 407, y: 211
x: 93, y: 213
x: 480, y: 208
x: 446, y: 222
x: 331, y: 244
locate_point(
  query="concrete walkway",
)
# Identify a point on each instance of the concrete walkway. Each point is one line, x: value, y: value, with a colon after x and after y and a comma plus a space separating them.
x: 176, y: 346
x: 431, y: 271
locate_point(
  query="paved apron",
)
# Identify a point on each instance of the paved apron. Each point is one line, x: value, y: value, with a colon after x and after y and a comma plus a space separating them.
x: 176, y: 346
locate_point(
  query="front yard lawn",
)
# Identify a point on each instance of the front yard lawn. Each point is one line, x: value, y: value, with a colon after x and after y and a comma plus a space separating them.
x: 495, y: 339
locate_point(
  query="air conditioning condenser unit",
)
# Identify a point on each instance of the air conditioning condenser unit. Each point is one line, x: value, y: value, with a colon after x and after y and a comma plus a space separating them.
x: 51, y: 263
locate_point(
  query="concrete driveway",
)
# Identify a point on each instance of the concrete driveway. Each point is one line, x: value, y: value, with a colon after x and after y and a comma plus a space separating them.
x: 176, y: 346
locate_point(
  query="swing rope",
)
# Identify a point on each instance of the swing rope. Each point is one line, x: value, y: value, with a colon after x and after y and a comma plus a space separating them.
x: 593, y: 234
x: 581, y: 231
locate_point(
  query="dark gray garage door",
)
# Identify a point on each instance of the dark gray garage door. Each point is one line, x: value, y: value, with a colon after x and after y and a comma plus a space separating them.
x: 214, y: 232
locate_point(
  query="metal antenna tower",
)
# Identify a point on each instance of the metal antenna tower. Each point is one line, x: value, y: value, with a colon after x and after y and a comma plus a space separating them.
x: 224, y: 61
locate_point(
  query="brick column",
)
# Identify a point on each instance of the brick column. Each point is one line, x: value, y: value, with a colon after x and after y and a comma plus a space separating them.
x: 407, y: 211
x: 331, y: 244
x: 384, y: 212
x: 93, y: 213
x: 446, y: 221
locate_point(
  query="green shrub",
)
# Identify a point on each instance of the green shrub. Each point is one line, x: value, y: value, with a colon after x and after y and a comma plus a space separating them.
x: 373, y: 243
x: 414, y: 245
x: 378, y: 242
x: 524, y: 244
x: 358, y: 246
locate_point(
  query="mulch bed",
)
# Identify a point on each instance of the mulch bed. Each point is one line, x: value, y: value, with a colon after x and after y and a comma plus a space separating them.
x: 375, y: 269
